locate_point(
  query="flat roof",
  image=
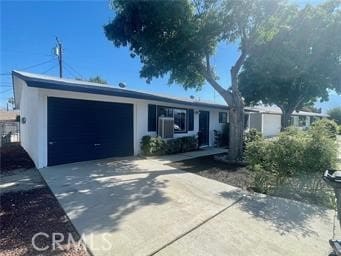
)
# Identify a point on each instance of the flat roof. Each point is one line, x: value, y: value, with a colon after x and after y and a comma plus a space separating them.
x: 277, y: 111
x: 56, y: 83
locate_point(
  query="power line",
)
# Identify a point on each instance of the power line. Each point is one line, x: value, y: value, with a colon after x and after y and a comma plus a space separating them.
x: 49, y: 69
x: 73, y: 70
x: 29, y: 67
x: 37, y: 65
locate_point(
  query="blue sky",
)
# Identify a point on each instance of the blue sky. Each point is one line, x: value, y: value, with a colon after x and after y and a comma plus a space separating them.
x: 28, y: 31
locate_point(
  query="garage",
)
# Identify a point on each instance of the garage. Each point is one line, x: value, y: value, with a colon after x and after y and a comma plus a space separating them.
x: 81, y: 130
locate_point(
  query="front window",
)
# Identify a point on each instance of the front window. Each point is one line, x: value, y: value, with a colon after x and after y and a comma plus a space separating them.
x: 223, y: 117
x: 302, y: 121
x: 179, y: 115
x: 165, y: 112
x: 179, y: 120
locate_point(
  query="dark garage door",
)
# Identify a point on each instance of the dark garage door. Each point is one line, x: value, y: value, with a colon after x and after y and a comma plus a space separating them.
x: 80, y: 130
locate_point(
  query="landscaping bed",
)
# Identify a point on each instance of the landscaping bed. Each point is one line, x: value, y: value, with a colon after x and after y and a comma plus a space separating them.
x: 240, y: 176
x: 13, y: 157
x: 25, y: 213
x: 209, y: 167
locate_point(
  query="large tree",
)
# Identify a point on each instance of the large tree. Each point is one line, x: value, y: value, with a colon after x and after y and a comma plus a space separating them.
x: 178, y: 39
x: 301, y: 63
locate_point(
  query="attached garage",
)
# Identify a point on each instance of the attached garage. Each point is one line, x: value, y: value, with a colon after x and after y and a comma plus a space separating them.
x: 80, y: 130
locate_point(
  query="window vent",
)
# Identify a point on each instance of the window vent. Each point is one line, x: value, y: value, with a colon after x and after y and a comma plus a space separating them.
x: 166, y: 127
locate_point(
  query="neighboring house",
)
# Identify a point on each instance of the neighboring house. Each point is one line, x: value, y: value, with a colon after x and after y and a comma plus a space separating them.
x: 9, y: 126
x: 267, y: 119
x: 65, y: 121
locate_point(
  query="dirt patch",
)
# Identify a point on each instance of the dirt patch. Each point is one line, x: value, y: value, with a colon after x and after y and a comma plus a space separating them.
x: 13, y: 157
x: 26, y: 213
x: 209, y: 167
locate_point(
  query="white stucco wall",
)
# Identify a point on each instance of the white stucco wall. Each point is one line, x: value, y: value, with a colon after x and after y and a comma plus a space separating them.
x: 34, y: 108
x: 271, y: 125
x: 31, y: 132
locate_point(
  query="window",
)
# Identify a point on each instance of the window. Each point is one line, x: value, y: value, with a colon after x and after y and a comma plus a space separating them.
x: 151, y: 118
x: 191, y: 120
x: 180, y: 120
x: 292, y: 121
x: 222, y: 117
x: 246, y: 121
x: 180, y: 117
x: 302, y: 121
x: 314, y: 119
x: 164, y: 112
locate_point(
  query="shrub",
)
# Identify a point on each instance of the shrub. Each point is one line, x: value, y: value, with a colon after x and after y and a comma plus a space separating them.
x: 325, y: 126
x: 152, y: 145
x: 292, y: 164
x: 251, y: 135
x: 158, y: 146
x: 293, y: 153
x: 188, y: 143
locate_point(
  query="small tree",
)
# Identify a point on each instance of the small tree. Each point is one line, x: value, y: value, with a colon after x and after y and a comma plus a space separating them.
x: 335, y: 114
x: 301, y: 63
x: 178, y: 38
x: 96, y: 79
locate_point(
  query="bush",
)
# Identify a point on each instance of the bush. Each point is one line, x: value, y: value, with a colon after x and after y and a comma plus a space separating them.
x: 153, y: 145
x: 326, y: 126
x: 251, y: 135
x: 293, y: 152
x: 293, y: 163
x: 158, y: 146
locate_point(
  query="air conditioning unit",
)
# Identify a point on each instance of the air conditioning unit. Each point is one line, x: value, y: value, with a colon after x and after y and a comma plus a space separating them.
x: 166, y: 127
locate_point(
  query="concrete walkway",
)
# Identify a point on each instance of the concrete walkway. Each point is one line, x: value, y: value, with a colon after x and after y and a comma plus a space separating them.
x: 142, y: 207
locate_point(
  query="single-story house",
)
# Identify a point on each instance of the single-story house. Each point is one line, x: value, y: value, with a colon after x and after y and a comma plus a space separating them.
x: 267, y: 119
x: 65, y: 120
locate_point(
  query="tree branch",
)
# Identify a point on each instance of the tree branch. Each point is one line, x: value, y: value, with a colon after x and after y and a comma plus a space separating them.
x: 210, y: 79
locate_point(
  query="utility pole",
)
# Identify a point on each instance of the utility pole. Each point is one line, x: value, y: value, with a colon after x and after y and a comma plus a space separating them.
x: 59, y: 53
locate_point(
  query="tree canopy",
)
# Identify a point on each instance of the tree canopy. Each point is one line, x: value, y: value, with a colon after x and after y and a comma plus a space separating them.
x: 301, y: 63
x: 335, y: 114
x: 96, y: 79
x: 178, y: 38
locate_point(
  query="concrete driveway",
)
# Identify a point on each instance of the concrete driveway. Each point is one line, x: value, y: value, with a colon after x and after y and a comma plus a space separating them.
x: 143, y: 207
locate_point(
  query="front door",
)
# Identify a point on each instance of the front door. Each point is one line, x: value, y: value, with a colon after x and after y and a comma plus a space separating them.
x: 204, y: 124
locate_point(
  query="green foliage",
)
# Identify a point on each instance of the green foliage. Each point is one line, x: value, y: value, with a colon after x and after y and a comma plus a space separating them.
x: 175, y: 38
x: 300, y: 63
x: 335, y: 114
x: 222, y: 138
x: 153, y: 145
x: 291, y: 156
x: 158, y: 146
x: 326, y: 127
x: 96, y: 79
x: 252, y: 135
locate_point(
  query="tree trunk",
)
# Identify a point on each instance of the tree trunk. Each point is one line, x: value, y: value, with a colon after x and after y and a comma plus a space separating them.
x: 285, y: 119
x: 236, y: 133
